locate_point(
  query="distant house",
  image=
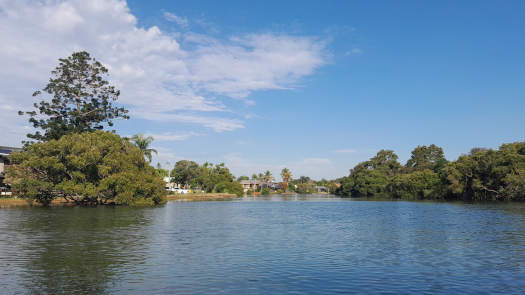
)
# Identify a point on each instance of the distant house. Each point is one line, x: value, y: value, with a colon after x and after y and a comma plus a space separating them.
x: 273, y: 185
x: 5, y: 151
x: 255, y: 185
x: 321, y: 189
x: 170, y: 185
x: 252, y: 185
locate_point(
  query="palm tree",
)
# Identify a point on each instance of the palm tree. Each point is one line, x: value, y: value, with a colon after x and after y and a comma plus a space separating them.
x: 143, y: 144
x: 268, y: 176
x: 286, y: 174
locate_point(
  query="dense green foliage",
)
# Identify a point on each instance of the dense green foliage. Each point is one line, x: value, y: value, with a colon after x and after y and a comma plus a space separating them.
x: 88, y: 168
x: 73, y: 160
x: 243, y: 177
x: 329, y: 184
x: 484, y: 174
x: 305, y: 188
x: 208, y: 177
x: 162, y: 172
x: 424, y: 157
x: 417, y: 185
x: 81, y: 100
x: 186, y: 173
x: 230, y: 187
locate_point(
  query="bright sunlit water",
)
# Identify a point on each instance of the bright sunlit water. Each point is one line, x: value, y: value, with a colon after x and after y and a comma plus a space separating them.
x: 274, y: 245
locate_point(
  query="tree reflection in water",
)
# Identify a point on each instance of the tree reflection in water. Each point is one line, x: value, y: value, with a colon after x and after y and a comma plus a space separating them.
x: 81, y: 250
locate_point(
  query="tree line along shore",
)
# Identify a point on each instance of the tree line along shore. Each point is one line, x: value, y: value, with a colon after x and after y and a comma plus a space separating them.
x: 481, y: 175
x: 72, y: 158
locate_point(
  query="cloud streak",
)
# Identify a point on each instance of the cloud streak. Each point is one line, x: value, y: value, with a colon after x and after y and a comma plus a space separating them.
x: 181, y: 21
x: 172, y: 136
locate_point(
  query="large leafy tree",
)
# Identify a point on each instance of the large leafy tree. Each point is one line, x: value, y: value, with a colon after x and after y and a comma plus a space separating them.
x: 488, y: 174
x: 427, y: 157
x: 208, y: 177
x: 90, y: 167
x: 79, y: 99
x: 229, y: 187
x: 418, y: 185
x: 385, y: 161
x: 371, y: 178
x: 483, y: 174
x: 185, y: 172
x: 143, y: 143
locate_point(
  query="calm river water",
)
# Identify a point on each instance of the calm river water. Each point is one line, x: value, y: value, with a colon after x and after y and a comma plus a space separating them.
x: 274, y: 245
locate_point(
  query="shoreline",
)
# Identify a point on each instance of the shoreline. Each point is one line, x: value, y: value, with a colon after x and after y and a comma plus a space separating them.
x: 202, y: 197
x: 14, y: 202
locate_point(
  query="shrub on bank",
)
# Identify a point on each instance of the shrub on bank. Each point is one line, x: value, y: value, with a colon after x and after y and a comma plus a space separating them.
x: 87, y: 168
x: 230, y: 187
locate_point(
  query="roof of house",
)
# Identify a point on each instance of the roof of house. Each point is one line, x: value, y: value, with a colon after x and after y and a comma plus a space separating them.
x: 6, y: 150
x: 250, y: 182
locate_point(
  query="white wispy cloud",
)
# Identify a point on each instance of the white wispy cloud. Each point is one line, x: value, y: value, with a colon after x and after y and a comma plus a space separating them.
x: 256, y: 62
x: 168, y: 136
x: 217, y: 124
x: 181, y: 21
x: 158, y: 78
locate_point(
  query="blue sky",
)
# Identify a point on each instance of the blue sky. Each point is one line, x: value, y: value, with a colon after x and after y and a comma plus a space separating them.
x: 316, y: 86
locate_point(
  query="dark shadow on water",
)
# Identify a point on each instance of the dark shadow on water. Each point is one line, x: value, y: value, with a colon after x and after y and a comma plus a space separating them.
x: 75, y: 250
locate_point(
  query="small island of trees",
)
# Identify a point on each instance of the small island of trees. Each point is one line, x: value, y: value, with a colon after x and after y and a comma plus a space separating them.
x: 69, y: 155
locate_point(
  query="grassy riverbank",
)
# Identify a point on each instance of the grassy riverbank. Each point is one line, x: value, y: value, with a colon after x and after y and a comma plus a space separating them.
x: 202, y: 197
x: 17, y: 202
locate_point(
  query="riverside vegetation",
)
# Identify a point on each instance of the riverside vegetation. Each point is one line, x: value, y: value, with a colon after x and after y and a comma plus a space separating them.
x: 70, y: 156
x: 86, y: 168
x: 207, y: 177
x: 481, y: 175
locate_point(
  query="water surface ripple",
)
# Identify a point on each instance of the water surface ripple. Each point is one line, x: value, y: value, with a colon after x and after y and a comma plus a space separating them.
x: 274, y: 245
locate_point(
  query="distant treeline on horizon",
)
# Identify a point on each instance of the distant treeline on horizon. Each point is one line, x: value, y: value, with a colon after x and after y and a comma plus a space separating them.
x: 482, y: 175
